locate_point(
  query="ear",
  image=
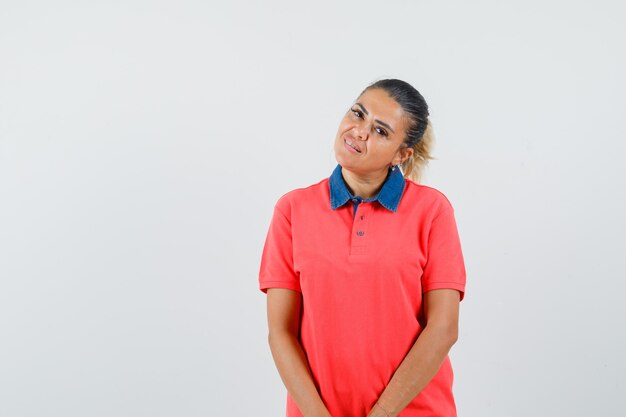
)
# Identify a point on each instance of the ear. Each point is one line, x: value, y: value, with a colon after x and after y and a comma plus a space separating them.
x: 403, y: 155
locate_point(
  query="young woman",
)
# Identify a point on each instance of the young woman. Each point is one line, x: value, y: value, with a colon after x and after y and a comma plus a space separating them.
x: 364, y: 272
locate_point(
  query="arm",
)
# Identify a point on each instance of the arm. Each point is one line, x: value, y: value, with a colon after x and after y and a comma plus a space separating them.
x: 441, y: 307
x: 283, y: 314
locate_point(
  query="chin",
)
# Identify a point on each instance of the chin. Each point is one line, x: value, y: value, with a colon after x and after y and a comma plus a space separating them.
x: 344, y: 162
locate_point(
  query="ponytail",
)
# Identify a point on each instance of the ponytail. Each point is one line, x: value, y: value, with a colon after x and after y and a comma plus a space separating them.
x: 414, y: 167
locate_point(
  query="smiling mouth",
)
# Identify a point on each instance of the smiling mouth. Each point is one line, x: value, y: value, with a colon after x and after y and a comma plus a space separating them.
x: 351, y: 144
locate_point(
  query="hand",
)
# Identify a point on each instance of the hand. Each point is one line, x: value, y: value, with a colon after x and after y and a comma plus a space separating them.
x: 377, y: 411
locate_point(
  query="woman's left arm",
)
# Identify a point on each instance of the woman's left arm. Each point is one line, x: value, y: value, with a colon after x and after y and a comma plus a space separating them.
x: 420, y: 365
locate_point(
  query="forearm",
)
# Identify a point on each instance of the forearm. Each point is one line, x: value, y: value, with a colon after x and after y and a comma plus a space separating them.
x: 296, y: 375
x: 417, y: 369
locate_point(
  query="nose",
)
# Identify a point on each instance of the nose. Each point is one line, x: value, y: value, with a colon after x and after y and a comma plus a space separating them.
x: 361, y: 131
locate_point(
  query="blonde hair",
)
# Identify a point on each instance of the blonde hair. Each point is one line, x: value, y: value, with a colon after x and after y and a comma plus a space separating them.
x: 414, y: 167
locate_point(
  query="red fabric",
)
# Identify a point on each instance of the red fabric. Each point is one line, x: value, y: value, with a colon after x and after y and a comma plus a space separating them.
x: 362, y: 292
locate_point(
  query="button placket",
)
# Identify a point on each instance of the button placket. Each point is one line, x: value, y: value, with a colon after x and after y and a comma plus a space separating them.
x: 359, y: 236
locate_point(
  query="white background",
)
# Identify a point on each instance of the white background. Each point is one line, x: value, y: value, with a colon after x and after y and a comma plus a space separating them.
x: 143, y: 145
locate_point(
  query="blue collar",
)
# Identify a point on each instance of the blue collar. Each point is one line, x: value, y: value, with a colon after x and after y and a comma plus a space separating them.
x: 389, y: 195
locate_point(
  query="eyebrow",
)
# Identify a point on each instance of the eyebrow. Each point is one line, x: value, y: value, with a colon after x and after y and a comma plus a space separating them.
x: 376, y: 120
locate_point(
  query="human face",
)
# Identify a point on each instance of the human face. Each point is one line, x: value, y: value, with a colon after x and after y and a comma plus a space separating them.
x: 376, y: 126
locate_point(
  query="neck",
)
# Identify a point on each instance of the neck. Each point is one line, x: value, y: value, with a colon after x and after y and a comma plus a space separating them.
x: 364, y: 185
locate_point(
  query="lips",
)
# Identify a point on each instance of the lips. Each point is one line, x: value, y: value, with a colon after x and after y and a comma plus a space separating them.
x: 352, y: 143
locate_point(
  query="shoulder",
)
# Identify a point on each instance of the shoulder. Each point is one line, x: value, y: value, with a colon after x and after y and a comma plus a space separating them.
x: 297, y: 196
x: 426, y: 196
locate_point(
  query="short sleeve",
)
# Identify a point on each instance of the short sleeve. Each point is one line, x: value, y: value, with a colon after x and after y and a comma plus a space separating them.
x: 445, y: 267
x: 277, y: 268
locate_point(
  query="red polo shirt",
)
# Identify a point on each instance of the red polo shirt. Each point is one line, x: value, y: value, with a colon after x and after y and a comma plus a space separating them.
x: 362, y: 274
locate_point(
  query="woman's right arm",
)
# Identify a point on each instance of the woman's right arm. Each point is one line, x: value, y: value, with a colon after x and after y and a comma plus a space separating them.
x: 283, y: 317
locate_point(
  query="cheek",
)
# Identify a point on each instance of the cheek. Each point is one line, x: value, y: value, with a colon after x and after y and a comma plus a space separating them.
x: 341, y: 130
x: 345, y: 124
x: 382, y: 149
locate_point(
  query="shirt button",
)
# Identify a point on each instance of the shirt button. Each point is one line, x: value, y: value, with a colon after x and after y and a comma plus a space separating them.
x: 360, y: 233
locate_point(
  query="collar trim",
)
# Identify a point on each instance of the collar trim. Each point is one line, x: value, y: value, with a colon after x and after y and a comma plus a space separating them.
x: 389, y: 196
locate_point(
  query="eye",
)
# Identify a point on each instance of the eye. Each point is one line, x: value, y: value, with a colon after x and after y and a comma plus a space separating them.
x: 379, y: 130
